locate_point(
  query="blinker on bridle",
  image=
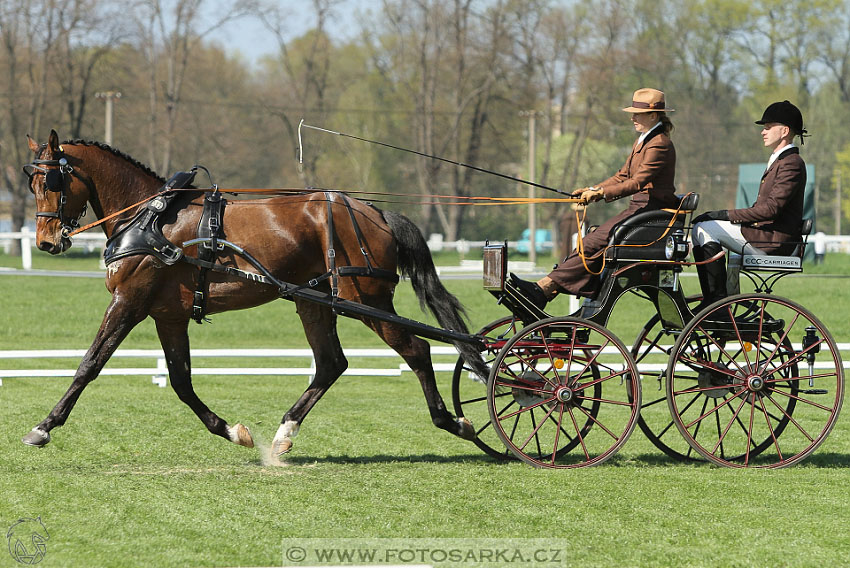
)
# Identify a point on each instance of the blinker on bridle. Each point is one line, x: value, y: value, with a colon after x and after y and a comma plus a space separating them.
x: 54, y: 172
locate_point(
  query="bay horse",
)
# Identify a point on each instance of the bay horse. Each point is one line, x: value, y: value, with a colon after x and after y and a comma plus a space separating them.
x: 287, y: 234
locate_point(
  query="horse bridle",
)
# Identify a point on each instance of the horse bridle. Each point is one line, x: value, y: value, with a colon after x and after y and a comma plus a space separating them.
x: 55, y: 172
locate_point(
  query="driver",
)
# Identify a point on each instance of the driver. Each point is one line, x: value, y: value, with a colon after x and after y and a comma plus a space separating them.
x: 647, y: 177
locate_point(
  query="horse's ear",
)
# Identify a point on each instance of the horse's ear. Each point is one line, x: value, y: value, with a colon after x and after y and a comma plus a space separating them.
x: 53, y: 141
x: 32, y: 144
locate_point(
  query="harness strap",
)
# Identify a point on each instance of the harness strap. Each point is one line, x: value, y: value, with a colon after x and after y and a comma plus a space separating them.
x: 210, y: 227
x: 357, y: 233
x: 331, y: 252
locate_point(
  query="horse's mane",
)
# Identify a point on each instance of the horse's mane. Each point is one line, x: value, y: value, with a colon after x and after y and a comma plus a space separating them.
x: 117, y: 153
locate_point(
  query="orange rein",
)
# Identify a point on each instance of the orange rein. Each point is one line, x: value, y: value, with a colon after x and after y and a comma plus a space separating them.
x: 580, y: 245
x: 465, y: 200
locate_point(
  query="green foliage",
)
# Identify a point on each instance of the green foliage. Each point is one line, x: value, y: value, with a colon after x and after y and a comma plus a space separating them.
x: 841, y: 178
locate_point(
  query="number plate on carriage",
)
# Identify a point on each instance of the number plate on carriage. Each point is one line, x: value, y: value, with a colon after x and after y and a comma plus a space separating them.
x: 668, y: 279
x: 495, y: 266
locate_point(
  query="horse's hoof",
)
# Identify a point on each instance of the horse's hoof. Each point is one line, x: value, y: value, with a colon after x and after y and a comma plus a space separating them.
x: 36, y: 437
x: 240, y: 434
x: 281, y: 446
x: 465, y: 429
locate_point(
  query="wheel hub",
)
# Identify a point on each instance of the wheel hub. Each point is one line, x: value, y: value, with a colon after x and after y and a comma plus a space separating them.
x: 526, y: 397
x: 756, y: 383
x: 564, y: 394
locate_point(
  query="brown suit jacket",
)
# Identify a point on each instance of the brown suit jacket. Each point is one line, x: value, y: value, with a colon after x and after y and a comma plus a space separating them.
x: 648, y: 175
x: 773, y: 222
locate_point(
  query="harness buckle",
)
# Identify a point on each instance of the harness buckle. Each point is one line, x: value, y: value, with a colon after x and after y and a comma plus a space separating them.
x: 170, y: 253
x: 198, y: 305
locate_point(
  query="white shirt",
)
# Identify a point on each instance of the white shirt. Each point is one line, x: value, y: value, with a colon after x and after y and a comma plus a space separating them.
x: 776, y: 154
x: 643, y: 135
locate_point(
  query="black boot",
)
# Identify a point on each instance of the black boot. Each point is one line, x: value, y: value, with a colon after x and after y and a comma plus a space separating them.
x: 712, y: 276
x: 530, y: 290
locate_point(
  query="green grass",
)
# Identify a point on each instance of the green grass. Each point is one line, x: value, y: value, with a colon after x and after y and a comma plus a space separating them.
x: 133, y: 478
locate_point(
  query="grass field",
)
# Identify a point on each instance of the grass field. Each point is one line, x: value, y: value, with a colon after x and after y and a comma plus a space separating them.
x: 134, y: 479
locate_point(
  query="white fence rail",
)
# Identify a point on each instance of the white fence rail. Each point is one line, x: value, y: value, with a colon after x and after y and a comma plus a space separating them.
x: 159, y: 372
x: 92, y: 242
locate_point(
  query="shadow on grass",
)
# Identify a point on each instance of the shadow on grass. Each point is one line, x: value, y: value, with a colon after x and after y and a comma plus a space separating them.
x: 819, y: 460
x: 389, y: 459
x: 823, y: 460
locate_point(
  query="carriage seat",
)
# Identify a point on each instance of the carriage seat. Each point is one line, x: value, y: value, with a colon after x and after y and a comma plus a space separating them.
x: 792, y: 262
x: 646, y: 233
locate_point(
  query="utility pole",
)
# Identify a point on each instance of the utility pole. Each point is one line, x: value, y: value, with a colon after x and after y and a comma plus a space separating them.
x: 532, y: 209
x: 838, y: 204
x: 109, y: 97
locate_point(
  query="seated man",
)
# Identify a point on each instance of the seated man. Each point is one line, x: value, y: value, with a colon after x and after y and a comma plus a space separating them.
x: 772, y: 224
x: 647, y: 178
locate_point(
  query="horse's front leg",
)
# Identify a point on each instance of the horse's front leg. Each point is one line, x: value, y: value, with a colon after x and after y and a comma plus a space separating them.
x: 319, y: 324
x: 119, y: 319
x: 174, y: 337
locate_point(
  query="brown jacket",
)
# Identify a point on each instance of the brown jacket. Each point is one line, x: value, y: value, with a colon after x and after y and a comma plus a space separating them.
x: 648, y: 177
x: 648, y: 174
x: 773, y: 222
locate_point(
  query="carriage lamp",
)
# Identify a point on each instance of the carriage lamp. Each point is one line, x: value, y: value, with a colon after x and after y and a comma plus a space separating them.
x: 676, y: 246
x: 811, y: 338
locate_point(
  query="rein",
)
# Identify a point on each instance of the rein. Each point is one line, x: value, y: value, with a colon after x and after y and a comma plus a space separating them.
x: 580, y: 244
x: 117, y: 213
x: 466, y: 200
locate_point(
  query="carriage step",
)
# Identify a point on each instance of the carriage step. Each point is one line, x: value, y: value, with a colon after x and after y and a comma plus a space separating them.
x: 815, y: 391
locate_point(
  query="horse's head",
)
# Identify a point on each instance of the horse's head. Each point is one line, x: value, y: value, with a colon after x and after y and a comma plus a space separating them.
x: 60, y: 194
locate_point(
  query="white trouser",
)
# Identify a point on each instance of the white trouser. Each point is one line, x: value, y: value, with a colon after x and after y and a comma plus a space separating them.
x: 726, y: 233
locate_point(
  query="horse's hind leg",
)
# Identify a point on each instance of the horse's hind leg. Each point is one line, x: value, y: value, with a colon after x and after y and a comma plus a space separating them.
x: 416, y: 352
x: 174, y: 338
x: 320, y: 327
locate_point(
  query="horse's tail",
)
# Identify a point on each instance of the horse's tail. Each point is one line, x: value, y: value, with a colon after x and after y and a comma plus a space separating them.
x: 415, y: 262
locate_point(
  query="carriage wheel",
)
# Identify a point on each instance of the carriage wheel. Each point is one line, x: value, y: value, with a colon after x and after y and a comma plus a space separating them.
x: 561, y: 393
x: 469, y: 391
x: 755, y: 381
x: 655, y: 343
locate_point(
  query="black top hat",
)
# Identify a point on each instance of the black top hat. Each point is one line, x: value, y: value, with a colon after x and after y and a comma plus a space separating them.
x: 784, y: 113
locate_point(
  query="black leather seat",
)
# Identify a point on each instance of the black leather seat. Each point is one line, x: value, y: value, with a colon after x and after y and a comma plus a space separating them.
x: 792, y: 262
x: 645, y: 234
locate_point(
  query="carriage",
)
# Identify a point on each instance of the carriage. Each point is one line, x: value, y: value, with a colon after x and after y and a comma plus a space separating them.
x: 753, y: 380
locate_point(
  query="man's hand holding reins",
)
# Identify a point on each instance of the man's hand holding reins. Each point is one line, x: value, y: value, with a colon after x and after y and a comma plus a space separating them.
x: 589, y: 194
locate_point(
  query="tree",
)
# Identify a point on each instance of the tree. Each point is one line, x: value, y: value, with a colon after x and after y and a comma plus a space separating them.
x: 170, y: 35
x: 28, y: 40
x: 305, y: 66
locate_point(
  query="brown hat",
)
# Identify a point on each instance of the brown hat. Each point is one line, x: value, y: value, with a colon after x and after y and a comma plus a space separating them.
x: 648, y: 100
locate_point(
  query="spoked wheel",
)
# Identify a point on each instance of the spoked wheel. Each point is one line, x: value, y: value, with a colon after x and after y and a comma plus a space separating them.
x: 469, y: 391
x: 755, y: 381
x: 651, y: 352
x: 561, y: 393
